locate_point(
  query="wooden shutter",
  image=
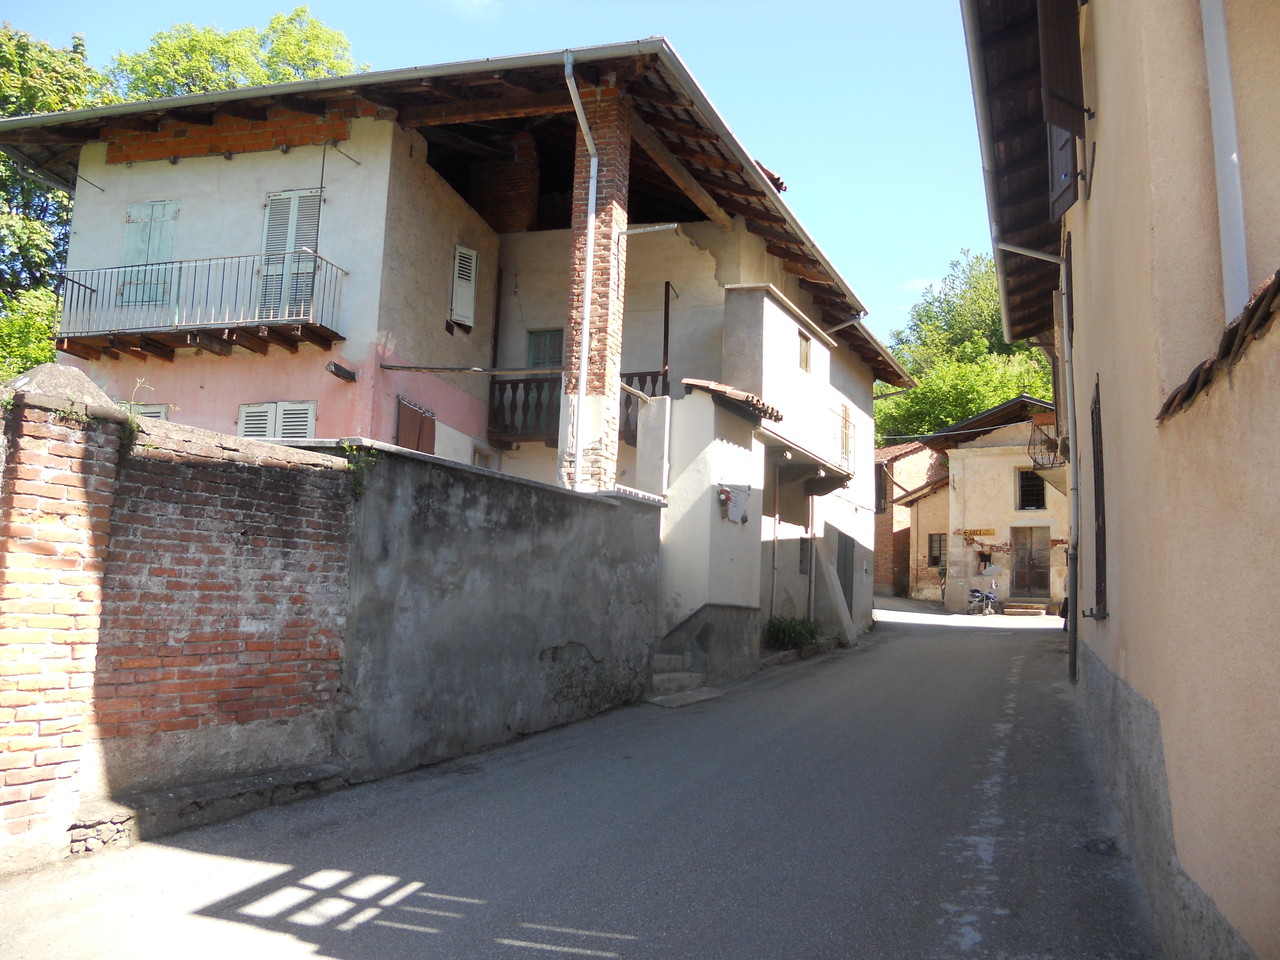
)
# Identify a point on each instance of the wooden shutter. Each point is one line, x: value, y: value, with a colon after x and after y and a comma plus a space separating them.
x: 1064, y: 181
x: 296, y: 420
x: 415, y: 427
x: 1061, y: 74
x: 292, y: 225
x: 846, y: 437
x: 464, y: 287
x: 286, y: 419
x: 256, y: 420
x: 149, y: 236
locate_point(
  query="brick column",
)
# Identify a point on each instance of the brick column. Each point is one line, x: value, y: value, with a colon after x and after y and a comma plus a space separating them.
x: 598, y: 420
x: 56, y: 491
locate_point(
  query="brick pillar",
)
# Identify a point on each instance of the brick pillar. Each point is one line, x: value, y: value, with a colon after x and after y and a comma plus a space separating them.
x: 598, y: 420
x: 56, y: 490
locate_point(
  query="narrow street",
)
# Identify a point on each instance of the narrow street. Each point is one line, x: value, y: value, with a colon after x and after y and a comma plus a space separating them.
x: 926, y: 795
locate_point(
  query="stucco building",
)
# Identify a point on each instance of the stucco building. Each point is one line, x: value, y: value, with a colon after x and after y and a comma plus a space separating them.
x: 404, y: 256
x: 1129, y: 151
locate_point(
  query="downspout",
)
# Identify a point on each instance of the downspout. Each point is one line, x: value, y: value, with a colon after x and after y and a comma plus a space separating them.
x: 1068, y: 370
x: 1226, y: 159
x: 584, y: 343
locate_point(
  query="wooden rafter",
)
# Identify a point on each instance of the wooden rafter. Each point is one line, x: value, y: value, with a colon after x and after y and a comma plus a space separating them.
x: 497, y: 108
x: 653, y: 145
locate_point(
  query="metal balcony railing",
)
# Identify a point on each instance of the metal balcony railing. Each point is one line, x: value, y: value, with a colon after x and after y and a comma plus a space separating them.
x: 294, y: 287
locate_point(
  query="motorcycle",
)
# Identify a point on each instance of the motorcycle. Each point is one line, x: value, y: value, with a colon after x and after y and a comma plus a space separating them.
x: 983, y: 601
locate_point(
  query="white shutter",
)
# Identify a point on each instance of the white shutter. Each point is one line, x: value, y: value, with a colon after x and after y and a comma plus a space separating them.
x: 464, y: 287
x: 285, y: 420
x: 288, y: 278
x: 297, y: 420
x: 256, y: 420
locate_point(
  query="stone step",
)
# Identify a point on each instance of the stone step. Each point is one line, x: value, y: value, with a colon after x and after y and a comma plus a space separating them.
x: 1023, y: 611
x: 675, y: 682
x: 670, y: 662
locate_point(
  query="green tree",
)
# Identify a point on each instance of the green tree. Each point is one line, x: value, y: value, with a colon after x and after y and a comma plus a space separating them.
x: 36, y: 77
x: 954, y: 347
x: 27, y: 324
x: 187, y: 59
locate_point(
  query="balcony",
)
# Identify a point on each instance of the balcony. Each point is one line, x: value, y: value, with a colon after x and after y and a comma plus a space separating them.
x: 527, y: 410
x: 152, y: 310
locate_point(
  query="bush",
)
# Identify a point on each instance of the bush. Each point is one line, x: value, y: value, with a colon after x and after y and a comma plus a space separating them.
x: 790, y: 633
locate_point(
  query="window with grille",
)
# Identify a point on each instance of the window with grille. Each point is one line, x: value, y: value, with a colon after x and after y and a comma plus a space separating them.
x: 283, y: 419
x: 1031, y: 495
x: 937, y: 549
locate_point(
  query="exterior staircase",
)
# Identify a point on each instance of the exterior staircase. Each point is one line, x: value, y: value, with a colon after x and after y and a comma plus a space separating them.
x: 1014, y: 607
x: 672, y: 673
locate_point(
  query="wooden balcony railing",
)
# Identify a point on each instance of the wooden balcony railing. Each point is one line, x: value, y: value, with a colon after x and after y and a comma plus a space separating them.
x: 527, y: 409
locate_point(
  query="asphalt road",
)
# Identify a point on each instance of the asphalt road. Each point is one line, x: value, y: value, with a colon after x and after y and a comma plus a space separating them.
x: 927, y: 795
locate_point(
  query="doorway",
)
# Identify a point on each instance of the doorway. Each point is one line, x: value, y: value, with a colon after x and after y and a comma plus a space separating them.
x: 1031, y: 562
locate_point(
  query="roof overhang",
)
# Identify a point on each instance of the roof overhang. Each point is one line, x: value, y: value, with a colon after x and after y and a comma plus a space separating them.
x: 677, y: 119
x: 738, y: 402
x: 1018, y: 410
x: 1003, y: 40
x: 795, y: 464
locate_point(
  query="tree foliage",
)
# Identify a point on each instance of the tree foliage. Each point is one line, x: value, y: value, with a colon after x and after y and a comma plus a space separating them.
x: 954, y: 347
x: 36, y: 77
x: 27, y: 324
x: 187, y: 59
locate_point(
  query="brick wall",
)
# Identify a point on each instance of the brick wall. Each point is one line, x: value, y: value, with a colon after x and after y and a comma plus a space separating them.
x: 224, y: 598
x: 183, y: 586
x: 505, y: 192
x: 283, y: 127
x: 55, y: 505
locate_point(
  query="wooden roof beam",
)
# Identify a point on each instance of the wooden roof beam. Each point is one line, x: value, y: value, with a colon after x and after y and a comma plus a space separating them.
x: 497, y: 108
x: 653, y: 145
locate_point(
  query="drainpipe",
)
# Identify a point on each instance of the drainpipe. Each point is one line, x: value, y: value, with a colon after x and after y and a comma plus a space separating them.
x: 1226, y: 159
x: 584, y: 343
x: 1068, y: 370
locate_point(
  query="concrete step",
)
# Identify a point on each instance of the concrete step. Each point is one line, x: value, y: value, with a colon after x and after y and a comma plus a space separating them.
x: 1023, y: 611
x: 671, y: 662
x: 1029, y: 608
x: 676, y: 681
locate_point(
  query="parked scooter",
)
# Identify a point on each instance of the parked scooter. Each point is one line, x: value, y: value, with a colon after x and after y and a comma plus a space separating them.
x: 983, y: 601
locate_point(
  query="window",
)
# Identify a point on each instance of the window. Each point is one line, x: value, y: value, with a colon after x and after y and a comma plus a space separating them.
x: 546, y: 349
x: 804, y: 351
x: 284, y: 419
x: 937, y: 550
x: 150, y: 229
x: 415, y: 427
x: 289, y: 237
x: 1030, y: 490
x: 463, y: 312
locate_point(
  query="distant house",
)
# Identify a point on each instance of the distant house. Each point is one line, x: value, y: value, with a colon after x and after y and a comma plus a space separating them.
x: 1007, y: 518
x: 901, y: 470
x: 1129, y: 154
x: 403, y: 256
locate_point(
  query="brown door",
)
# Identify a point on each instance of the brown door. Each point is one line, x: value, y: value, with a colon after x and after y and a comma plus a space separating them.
x: 1031, y: 562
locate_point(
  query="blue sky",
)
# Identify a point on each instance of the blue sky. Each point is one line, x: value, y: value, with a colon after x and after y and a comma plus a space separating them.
x: 862, y: 107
